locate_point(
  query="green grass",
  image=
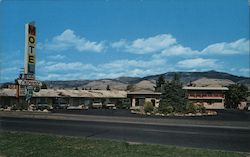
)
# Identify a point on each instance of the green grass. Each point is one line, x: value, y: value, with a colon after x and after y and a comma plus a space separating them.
x: 41, y: 145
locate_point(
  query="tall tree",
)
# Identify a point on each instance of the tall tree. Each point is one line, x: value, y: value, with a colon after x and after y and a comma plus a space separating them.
x: 173, y: 95
x: 108, y: 87
x: 159, y: 83
x: 176, y: 78
x: 236, y: 94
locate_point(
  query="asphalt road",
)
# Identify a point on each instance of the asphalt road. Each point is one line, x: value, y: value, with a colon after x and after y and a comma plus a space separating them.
x: 233, y: 139
x: 223, y: 115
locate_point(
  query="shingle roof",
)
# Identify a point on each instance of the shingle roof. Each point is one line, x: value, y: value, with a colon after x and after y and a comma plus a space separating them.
x: 8, y: 92
x: 70, y: 93
x: 144, y: 92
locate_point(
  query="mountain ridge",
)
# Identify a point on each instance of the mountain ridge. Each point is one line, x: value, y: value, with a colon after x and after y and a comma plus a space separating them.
x: 206, y: 78
x: 121, y: 83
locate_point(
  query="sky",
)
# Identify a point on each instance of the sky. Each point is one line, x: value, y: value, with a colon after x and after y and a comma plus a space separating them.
x: 96, y: 39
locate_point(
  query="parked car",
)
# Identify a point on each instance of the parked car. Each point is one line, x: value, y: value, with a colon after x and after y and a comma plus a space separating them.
x: 96, y: 104
x: 80, y: 107
x: 43, y: 106
x: 109, y: 105
x: 61, y: 106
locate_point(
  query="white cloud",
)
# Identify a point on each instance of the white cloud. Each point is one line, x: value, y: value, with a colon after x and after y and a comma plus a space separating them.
x: 146, y: 45
x: 237, y: 47
x: 77, y: 66
x: 178, y: 50
x: 68, y: 40
x: 113, y: 69
x: 57, y: 57
x: 198, y: 63
x: 121, y: 64
x: 166, y: 45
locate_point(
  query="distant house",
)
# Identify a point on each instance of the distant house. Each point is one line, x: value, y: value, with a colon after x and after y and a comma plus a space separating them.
x: 138, y: 98
x: 56, y: 96
x: 209, y: 97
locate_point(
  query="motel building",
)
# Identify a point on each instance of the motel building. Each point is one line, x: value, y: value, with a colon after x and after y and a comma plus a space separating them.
x: 63, y: 97
x: 209, y: 97
x: 138, y: 98
x: 69, y: 97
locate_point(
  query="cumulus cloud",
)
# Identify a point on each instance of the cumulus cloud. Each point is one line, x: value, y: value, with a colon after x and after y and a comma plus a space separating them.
x: 57, y: 57
x: 198, y: 63
x: 145, y: 45
x: 113, y: 69
x: 69, y: 40
x: 121, y: 64
x: 166, y: 45
x: 237, y: 47
x: 74, y: 66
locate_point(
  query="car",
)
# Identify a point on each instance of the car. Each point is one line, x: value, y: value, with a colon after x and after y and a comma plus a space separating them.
x: 109, y: 105
x: 80, y: 107
x: 61, y: 106
x: 96, y: 104
x: 43, y: 106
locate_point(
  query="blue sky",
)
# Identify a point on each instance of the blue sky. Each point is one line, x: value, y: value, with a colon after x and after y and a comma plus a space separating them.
x: 112, y: 38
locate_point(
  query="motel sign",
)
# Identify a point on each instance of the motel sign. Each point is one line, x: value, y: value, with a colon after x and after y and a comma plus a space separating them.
x: 27, y: 84
x: 30, y: 51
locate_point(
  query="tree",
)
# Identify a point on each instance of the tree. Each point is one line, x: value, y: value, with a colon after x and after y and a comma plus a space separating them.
x: 159, y: 83
x: 236, y: 94
x: 108, y: 87
x: 176, y: 78
x: 173, y: 95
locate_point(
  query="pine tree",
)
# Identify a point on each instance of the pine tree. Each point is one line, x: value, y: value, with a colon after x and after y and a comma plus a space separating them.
x: 173, y: 95
x: 159, y: 83
x: 108, y: 87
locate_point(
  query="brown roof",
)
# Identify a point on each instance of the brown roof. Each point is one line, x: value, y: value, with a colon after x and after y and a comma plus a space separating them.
x: 70, y: 93
x: 144, y: 92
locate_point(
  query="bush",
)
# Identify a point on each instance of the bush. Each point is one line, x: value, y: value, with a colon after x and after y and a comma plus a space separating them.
x: 191, y: 108
x: 148, y: 107
x: 165, y: 109
x: 200, y: 109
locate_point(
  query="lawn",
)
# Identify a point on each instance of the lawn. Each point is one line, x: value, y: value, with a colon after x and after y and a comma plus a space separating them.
x: 36, y: 145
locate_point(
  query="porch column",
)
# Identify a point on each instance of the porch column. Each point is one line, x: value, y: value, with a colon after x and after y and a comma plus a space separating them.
x: 133, y: 102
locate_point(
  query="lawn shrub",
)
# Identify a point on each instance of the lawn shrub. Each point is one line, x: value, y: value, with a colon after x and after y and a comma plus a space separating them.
x: 148, y: 107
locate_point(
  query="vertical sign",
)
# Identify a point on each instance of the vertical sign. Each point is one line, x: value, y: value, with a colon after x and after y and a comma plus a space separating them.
x: 30, y: 51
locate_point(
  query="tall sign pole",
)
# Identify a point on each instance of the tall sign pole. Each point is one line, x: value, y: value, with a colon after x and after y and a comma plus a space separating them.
x: 30, y: 51
x: 27, y: 83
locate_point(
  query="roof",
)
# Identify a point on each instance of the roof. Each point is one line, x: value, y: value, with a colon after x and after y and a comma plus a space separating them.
x: 8, y: 92
x: 144, y: 92
x: 205, y: 88
x: 70, y: 93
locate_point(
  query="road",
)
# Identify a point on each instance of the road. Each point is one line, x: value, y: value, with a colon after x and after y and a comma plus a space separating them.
x: 223, y: 115
x: 198, y: 136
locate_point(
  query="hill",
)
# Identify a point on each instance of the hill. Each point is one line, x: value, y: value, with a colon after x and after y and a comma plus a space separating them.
x: 208, y: 78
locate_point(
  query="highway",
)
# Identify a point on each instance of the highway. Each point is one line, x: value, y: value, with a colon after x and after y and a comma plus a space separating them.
x: 198, y: 136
